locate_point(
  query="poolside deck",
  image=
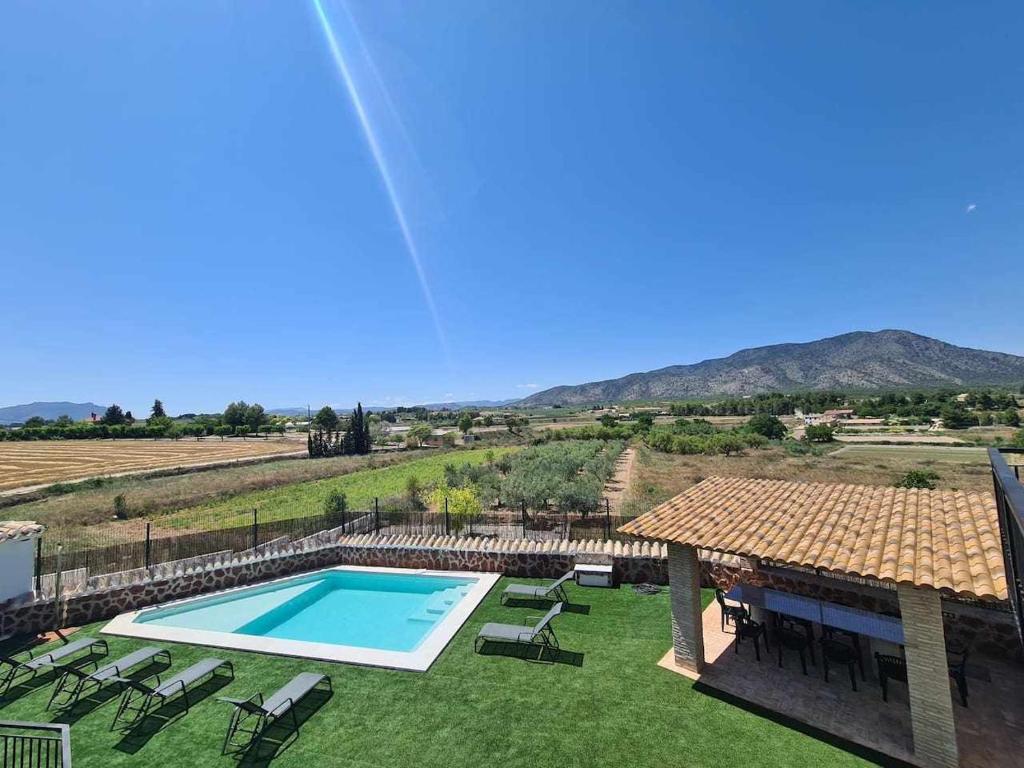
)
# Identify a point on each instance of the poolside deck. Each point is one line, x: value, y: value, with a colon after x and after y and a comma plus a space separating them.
x: 990, y: 732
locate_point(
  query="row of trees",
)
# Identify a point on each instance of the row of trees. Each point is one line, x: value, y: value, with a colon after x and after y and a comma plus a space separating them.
x: 920, y: 405
x: 238, y: 419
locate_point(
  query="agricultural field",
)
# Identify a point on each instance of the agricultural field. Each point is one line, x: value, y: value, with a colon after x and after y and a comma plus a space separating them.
x: 93, y: 502
x: 360, y: 489
x: 926, y: 455
x: 38, y: 463
x: 658, y: 476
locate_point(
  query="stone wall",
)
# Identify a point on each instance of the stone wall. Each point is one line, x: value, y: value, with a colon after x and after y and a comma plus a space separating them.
x: 107, y: 597
x: 988, y: 631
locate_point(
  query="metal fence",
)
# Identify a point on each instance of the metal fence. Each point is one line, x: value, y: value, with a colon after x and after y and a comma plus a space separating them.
x: 91, y: 551
x: 1010, y: 507
x: 34, y: 745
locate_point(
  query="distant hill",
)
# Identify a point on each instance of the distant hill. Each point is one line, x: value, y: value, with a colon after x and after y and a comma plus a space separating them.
x: 860, y: 361
x: 452, y: 406
x: 18, y: 414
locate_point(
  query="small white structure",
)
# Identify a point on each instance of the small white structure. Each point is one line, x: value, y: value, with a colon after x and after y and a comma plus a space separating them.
x: 17, y: 542
x: 593, y: 575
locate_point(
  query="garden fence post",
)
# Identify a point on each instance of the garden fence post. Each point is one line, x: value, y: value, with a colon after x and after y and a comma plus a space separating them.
x: 447, y: 522
x: 607, y: 519
x: 39, y: 565
x: 148, y: 546
x: 376, y: 515
x: 255, y: 530
x: 524, y: 518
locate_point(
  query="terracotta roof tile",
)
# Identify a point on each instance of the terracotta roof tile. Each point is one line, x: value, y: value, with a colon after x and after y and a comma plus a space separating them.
x: 947, y: 540
x: 17, y: 529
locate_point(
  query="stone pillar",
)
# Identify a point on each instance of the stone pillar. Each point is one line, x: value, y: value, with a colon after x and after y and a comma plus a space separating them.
x: 687, y: 628
x: 931, y: 705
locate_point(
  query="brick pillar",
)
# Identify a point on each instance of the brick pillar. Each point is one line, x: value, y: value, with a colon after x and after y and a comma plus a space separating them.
x: 687, y: 628
x: 931, y: 705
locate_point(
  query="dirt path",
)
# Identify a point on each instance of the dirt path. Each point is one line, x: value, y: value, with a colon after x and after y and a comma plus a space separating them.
x: 617, y: 487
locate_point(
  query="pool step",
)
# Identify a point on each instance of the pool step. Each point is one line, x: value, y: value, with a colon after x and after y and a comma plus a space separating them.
x: 438, y: 604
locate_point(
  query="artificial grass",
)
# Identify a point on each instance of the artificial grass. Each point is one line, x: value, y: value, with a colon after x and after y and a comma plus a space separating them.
x: 605, y: 703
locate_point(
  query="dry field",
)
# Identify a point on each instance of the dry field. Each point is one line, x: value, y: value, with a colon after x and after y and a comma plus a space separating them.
x: 658, y: 476
x: 32, y: 464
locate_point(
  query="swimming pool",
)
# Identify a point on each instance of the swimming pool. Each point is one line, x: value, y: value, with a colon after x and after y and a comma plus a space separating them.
x: 389, y: 617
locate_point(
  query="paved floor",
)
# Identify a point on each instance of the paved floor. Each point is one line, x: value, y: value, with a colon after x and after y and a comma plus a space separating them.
x: 990, y: 732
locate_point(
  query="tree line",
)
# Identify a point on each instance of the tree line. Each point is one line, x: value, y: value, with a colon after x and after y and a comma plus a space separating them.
x: 238, y: 419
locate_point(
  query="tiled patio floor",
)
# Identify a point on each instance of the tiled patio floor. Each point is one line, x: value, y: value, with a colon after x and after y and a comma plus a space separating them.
x: 990, y: 731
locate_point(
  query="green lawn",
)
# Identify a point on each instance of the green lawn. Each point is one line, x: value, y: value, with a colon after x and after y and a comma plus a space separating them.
x: 298, y: 499
x: 612, y: 707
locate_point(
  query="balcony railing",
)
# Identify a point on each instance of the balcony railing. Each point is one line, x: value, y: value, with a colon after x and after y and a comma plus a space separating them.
x: 1010, y: 506
x: 34, y: 745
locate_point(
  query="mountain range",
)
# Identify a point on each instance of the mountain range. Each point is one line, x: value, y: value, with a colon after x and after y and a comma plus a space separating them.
x: 862, y: 361
x: 18, y: 414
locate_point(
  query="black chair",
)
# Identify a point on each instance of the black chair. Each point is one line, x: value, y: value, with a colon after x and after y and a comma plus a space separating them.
x: 839, y: 653
x: 792, y: 639
x: 890, y: 668
x: 748, y: 629
x: 895, y: 668
x: 956, y: 659
x: 729, y: 612
x: 833, y: 633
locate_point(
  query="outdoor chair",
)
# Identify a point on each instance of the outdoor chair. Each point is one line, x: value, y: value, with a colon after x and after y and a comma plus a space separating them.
x: 22, y: 670
x: 253, y: 716
x: 841, y: 654
x: 895, y: 668
x: 832, y: 633
x: 793, y: 640
x: 540, y: 634
x: 139, y: 696
x: 729, y: 612
x: 956, y: 659
x: 890, y: 668
x: 553, y: 591
x: 748, y: 629
x: 74, y: 682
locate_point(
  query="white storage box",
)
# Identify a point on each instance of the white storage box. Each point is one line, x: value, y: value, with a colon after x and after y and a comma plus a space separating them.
x: 592, y: 575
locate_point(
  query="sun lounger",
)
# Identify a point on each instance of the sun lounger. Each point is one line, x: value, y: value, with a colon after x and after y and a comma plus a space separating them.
x: 139, y: 696
x: 21, y: 670
x: 74, y: 682
x: 539, y: 634
x: 267, y: 711
x: 553, y: 591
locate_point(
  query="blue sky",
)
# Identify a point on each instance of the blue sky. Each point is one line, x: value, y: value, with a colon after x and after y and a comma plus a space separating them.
x: 191, y: 209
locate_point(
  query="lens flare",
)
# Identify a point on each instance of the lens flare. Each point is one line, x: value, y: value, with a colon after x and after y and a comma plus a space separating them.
x: 382, y: 167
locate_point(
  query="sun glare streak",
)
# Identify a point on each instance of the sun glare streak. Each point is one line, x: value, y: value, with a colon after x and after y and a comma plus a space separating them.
x: 383, y: 169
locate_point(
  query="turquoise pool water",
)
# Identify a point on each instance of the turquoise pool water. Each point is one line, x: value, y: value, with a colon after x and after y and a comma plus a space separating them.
x: 386, y: 611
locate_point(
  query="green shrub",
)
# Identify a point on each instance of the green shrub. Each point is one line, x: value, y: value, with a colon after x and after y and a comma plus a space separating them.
x: 767, y: 425
x: 819, y: 433
x: 335, y: 503
x: 918, y: 478
x: 121, y: 510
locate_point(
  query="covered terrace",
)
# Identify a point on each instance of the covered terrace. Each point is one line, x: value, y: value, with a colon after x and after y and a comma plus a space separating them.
x: 915, y: 547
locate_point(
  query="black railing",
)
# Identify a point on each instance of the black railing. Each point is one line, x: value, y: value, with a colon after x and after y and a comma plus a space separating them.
x: 1010, y: 507
x: 35, y: 745
x: 139, y: 544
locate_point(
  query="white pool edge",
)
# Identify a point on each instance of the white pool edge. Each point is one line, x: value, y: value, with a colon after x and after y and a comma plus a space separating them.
x: 418, y: 660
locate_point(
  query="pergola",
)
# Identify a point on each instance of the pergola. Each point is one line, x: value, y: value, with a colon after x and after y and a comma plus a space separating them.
x: 925, y: 542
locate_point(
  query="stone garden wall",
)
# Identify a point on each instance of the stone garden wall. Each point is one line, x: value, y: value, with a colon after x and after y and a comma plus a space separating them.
x: 107, y: 596
x: 986, y: 630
